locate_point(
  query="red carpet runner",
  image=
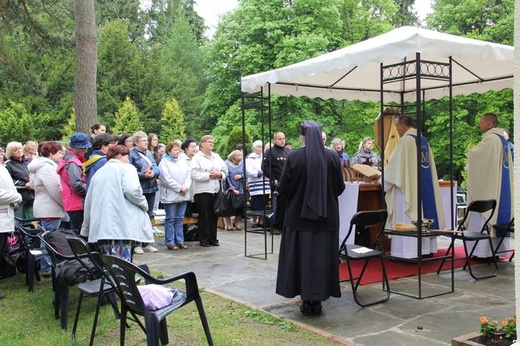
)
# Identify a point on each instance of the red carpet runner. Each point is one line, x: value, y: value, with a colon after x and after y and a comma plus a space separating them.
x: 397, y: 270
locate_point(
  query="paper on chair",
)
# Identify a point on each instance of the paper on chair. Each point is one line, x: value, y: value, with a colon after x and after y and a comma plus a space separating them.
x: 361, y: 250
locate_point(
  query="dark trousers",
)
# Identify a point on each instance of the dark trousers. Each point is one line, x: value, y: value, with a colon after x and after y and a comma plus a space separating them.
x: 76, y: 219
x: 3, y: 245
x: 150, y: 199
x: 207, y: 218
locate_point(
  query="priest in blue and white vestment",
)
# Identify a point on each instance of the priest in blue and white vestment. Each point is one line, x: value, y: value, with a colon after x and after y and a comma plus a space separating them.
x: 400, y: 184
x: 490, y: 176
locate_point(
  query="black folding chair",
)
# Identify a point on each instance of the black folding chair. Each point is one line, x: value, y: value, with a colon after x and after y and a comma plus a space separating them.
x: 124, y: 275
x: 99, y: 285
x: 61, y: 289
x: 464, y: 234
x: 502, y: 229
x: 362, y: 221
x: 28, y: 233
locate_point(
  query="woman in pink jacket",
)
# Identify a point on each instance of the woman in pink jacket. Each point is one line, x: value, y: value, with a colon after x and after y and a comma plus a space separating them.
x: 73, y: 181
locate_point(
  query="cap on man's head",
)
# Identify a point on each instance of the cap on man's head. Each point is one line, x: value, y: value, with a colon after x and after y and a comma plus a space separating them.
x: 79, y: 140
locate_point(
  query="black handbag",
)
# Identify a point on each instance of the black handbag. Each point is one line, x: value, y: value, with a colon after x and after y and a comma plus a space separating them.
x: 222, y: 205
x: 238, y: 201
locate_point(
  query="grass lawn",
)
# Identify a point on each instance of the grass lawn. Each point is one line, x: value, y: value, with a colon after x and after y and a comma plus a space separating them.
x: 28, y: 319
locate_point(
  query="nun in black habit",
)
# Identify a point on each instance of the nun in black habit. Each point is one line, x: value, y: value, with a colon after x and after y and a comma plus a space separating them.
x: 309, y: 257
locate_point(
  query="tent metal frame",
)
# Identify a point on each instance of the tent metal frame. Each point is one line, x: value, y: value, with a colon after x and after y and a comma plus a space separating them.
x: 399, y: 73
x: 256, y: 101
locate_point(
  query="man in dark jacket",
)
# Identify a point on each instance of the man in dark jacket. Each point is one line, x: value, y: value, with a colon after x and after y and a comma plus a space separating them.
x: 311, y: 183
x: 272, y: 167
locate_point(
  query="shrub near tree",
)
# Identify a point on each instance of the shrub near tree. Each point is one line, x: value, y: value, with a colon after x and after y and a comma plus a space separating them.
x: 18, y: 124
x: 172, y: 122
x: 127, y: 118
x: 70, y: 127
x: 235, y: 138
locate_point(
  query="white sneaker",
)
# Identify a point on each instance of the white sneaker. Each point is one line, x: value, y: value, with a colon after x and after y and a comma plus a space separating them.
x: 157, y: 230
x: 149, y: 248
x: 138, y: 250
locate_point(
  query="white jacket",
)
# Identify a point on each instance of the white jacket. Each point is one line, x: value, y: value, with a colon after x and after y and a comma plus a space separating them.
x: 174, y: 176
x: 8, y: 195
x: 201, y: 165
x: 115, y: 207
x: 48, y: 202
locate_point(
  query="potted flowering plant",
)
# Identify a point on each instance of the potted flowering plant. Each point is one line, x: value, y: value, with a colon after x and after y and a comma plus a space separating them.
x: 490, y: 328
x: 491, y: 333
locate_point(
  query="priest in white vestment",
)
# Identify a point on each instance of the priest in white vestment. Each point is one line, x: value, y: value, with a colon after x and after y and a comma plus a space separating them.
x: 490, y: 176
x: 400, y: 183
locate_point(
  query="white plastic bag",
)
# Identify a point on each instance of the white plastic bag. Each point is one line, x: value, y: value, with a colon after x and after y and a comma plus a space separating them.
x: 156, y: 297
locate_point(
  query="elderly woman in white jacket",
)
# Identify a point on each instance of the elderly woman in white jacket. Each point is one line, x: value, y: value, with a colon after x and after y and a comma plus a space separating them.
x: 207, y: 171
x: 8, y: 197
x: 115, y: 207
x: 174, y: 194
x: 48, y: 202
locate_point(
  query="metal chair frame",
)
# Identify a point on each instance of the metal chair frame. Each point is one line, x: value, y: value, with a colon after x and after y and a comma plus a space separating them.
x: 462, y: 233
x: 100, y: 286
x: 363, y: 220
x: 510, y: 227
x: 155, y: 327
x: 29, y: 238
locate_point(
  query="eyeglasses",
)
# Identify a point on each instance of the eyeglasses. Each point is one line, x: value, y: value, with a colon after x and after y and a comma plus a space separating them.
x: 211, y: 142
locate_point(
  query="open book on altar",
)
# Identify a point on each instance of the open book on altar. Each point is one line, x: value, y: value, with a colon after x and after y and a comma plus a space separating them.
x: 367, y: 171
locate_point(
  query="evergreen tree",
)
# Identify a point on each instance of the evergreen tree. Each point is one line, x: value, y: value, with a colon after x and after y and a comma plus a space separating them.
x: 179, y: 74
x: 18, y: 124
x: 69, y: 128
x: 127, y: 118
x: 172, y: 122
x: 118, y: 70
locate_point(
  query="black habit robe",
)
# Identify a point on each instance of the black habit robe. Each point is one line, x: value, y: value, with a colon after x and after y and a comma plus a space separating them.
x: 309, y: 249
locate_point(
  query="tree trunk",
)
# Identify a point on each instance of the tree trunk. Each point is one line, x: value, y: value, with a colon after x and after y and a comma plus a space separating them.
x: 85, y: 102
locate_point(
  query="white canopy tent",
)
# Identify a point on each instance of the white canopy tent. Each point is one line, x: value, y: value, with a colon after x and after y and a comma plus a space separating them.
x: 406, y: 66
x: 354, y: 72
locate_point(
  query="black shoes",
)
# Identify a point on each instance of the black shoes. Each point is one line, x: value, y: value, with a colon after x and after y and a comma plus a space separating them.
x: 311, y: 308
x: 209, y: 243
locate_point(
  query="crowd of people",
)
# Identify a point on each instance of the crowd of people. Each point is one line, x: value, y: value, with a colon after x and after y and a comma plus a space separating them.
x: 108, y: 188
x: 94, y: 183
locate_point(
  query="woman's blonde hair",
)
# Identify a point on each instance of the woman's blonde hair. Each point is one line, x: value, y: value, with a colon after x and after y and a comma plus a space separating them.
x: 362, y: 144
x: 138, y: 136
x: 233, y: 155
x: 11, y: 147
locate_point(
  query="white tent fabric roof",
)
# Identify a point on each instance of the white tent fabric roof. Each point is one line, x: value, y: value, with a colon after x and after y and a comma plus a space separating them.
x: 354, y: 72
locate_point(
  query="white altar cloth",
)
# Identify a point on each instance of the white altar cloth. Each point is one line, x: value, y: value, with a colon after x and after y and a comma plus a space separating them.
x: 348, y: 205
